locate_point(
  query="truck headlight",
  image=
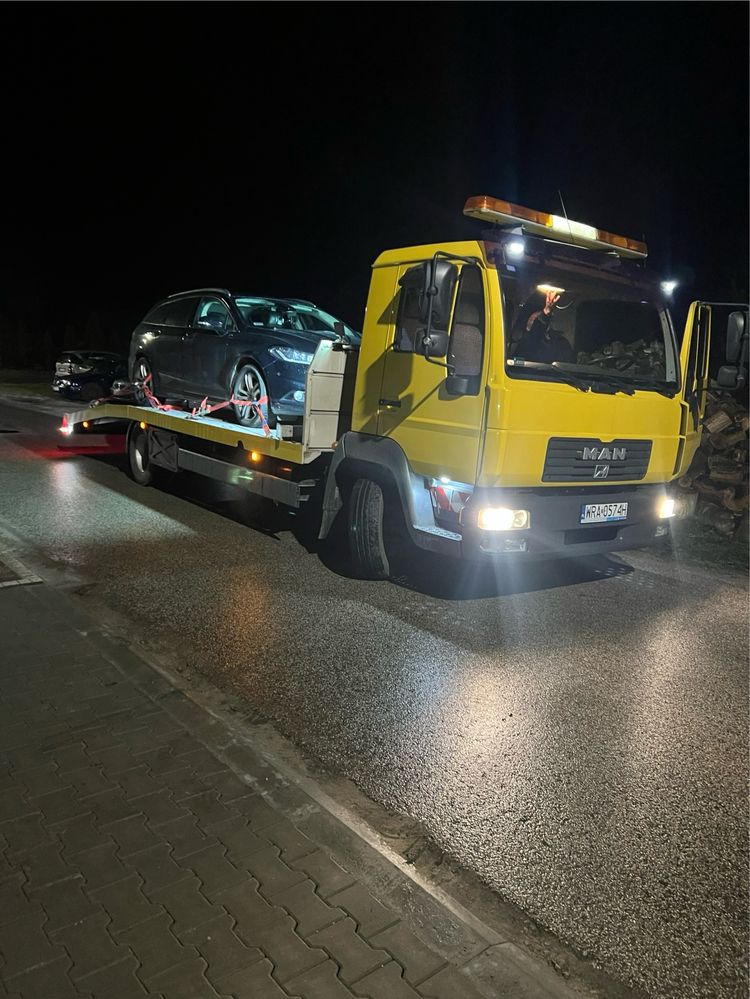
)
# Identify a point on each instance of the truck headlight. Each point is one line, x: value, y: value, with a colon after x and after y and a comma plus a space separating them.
x: 666, y: 508
x: 502, y: 518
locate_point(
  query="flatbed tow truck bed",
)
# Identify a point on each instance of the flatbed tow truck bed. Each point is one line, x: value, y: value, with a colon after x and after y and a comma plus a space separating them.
x: 271, y: 463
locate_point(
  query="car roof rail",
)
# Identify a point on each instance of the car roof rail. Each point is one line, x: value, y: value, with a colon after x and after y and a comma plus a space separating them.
x: 299, y: 301
x: 195, y: 291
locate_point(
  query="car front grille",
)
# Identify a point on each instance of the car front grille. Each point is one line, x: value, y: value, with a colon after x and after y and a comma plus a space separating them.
x: 580, y: 459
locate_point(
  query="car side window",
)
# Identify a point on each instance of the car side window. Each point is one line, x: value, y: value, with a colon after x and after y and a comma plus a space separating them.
x: 213, y: 314
x: 158, y: 315
x: 173, y: 313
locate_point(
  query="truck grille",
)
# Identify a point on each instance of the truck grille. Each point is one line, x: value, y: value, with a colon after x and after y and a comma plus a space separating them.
x: 580, y: 459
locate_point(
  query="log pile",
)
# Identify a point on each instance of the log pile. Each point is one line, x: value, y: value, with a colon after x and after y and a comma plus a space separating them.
x: 715, y: 488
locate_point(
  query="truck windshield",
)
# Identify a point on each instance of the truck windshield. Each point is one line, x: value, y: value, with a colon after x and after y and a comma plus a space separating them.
x: 559, y: 315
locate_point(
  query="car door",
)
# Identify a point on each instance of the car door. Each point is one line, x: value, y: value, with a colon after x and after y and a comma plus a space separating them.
x: 205, y: 346
x: 170, y: 359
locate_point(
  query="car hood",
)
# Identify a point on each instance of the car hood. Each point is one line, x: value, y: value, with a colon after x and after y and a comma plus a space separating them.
x: 299, y: 339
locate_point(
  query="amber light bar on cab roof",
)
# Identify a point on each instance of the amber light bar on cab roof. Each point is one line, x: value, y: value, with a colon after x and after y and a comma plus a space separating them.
x: 552, y: 226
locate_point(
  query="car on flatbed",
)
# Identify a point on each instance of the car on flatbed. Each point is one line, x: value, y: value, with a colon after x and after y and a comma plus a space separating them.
x: 212, y: 343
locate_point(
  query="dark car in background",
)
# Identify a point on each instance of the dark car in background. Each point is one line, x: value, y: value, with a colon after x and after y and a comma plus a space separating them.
x: 88, y: 374
x: 211, y: 342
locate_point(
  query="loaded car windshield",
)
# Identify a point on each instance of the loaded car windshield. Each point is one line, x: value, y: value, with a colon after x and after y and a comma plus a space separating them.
x: 601, y: 328
x: 302, y: 317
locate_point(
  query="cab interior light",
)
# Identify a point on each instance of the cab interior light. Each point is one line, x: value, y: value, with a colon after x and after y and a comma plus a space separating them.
x: 547, y: 288
x: 515, y: 248
x: 556, y: 227
x: 668, y: 287
x: 502, y: 518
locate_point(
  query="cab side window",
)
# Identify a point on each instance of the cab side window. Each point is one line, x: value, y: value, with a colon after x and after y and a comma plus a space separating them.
x: 466, y: 346
x: 408, y: 322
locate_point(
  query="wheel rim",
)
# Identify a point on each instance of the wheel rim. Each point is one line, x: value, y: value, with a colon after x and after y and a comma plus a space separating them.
x: 142, y: 372
x: 139, y: 457
x: 250, y: 386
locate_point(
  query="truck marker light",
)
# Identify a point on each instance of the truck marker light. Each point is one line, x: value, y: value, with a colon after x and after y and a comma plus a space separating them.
x: 85, y: 424
x: 552, y: 226
x: 501, y: 518
x: 254, y: 456
x: 143, y: 425
x: 666, y: 509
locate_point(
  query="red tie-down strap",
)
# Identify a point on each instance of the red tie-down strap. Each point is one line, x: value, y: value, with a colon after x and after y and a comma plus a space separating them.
x: 204, y: 408
x: 153, y: 401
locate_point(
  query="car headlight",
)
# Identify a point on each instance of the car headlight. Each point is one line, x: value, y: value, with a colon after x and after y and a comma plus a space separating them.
x: 291, y: 356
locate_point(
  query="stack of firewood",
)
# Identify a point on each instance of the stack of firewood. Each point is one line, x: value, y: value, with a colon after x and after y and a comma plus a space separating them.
x: 715, y: 488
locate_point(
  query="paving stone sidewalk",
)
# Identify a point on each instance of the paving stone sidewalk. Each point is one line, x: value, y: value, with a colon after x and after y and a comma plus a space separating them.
x: 138, y: 859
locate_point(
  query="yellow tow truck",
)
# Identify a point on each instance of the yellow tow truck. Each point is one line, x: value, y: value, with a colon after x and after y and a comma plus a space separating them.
x: 523, y: 395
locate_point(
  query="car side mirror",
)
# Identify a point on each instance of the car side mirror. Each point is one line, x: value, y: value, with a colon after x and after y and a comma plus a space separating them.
x: 215, y: 325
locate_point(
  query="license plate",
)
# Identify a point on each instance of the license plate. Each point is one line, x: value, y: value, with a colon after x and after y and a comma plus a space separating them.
x: 602, y: 513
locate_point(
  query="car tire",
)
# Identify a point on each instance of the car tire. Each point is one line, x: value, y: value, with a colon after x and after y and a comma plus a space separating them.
x: 141, y: 469
x: 249, y: 383
x: 91, y: 391
x: 141, y: 371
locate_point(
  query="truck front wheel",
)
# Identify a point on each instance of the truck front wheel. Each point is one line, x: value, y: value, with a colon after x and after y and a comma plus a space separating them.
x: 365, y: 530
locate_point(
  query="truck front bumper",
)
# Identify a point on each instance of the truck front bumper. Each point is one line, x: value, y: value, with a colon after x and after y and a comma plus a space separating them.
x: 555, y: 529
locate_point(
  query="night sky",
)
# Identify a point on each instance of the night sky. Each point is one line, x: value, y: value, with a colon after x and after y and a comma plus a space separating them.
x: 277, y: 148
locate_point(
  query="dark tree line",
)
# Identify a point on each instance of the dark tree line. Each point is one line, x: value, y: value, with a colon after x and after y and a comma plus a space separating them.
x: 35, y: 343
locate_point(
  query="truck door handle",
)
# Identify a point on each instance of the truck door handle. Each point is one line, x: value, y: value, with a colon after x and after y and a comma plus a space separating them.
x: 394, y: 403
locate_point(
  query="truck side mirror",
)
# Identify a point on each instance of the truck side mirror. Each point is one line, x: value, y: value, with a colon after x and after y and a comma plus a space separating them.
x: 733, y: 375
x: 425, y: 308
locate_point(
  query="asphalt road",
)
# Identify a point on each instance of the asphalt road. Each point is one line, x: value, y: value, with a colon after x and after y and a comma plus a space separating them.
x: 575, y: 734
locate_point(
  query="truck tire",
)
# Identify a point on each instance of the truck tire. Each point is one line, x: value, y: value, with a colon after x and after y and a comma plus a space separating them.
x: 140, y: 466
x: 366, y: 530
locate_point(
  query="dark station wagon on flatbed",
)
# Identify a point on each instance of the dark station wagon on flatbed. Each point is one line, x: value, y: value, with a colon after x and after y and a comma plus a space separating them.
x: 210, y: 342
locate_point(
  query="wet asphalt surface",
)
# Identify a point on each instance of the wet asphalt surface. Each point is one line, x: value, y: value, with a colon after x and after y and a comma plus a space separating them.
x: 577, y: 734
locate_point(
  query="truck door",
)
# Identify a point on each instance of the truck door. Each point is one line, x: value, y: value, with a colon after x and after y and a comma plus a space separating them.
x: 694, y: 355
x: 439, y: 429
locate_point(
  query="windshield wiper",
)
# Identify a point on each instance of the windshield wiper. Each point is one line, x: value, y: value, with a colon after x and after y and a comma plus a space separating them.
x: 552, y: 369
x: 660, y: 387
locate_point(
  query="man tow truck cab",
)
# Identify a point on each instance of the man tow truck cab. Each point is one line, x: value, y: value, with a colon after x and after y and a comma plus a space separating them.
x: 523, y: 395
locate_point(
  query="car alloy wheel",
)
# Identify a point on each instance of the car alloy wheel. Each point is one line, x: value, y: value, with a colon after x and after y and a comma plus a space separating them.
x: 250, y: 384
x: 141, y: 373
